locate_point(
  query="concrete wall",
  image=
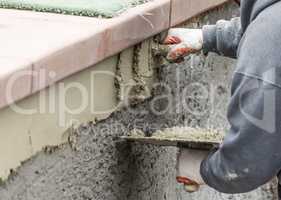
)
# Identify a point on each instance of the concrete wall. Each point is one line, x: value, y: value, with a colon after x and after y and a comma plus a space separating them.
x: 49, y: 117
x: 100, y: 166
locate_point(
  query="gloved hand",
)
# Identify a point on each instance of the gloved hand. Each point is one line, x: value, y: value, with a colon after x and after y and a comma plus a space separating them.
x: 183, y: 42
x: 188, y: 168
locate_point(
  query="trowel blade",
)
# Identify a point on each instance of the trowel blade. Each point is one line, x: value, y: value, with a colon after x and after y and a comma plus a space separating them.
x: 182, y: 143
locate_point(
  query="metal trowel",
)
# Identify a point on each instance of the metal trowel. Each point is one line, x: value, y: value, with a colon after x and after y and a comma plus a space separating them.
x: 182, y: 137
x: 200, y: 139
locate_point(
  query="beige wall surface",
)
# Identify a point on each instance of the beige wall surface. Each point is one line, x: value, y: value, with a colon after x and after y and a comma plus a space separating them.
x: 47, y: 118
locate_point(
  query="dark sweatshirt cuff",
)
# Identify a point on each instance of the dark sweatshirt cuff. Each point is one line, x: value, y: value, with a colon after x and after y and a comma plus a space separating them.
x: 210, y: 180
x: 209, y: 38
x: 218, y: 182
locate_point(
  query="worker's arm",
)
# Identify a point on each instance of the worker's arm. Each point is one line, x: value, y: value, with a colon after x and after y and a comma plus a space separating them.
x: 222, y: 38
x: 250, y: 156
x: 251, y: 153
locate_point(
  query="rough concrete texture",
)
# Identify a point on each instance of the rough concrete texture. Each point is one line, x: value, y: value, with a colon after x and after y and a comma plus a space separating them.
x: 103, y: 167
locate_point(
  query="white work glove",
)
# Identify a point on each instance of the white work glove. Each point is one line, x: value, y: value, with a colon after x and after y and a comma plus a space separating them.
x: 188, y: 168
x: 183, y: 42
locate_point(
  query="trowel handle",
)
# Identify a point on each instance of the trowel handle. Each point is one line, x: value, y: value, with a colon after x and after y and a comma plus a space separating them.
x: 161, y: 51
x: 189, y: 185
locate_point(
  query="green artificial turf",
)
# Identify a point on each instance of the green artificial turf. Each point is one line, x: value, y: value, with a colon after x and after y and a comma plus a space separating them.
x: 91, y: 8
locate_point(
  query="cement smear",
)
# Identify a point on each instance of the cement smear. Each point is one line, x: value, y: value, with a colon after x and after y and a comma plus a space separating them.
x: 190, y: 134
x: 185, y: 137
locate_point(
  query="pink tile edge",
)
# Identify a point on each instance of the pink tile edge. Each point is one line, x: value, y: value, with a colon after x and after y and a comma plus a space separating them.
x: 181, y: 12
x: 155, y: 14
x: 20, y: 81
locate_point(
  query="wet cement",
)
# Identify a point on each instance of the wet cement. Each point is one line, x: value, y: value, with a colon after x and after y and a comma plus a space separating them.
x: 190, y: 134
x: 184, y: 137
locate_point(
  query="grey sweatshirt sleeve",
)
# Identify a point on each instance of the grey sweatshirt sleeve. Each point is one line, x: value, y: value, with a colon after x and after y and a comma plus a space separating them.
x: 222, y: 38
x: 251, y: 153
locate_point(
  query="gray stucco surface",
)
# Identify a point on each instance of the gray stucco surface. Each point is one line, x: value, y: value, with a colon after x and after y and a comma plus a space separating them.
x: 103, y: 167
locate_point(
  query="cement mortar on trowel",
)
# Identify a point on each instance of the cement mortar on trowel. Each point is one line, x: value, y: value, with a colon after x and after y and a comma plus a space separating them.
x: 185, y: 133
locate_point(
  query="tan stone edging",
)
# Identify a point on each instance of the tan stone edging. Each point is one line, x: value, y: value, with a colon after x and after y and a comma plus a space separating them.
x: 35, y: 43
